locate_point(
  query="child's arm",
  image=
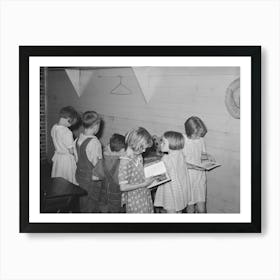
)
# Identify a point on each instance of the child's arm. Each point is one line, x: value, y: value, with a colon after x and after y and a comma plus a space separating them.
x: 124, y: 176
x: 206, y: 156
x: 66, y: 137
x: 210, y: 157
x: 71, y: 150
x: 98, y: 172
x: 75, y: 150
x: 94, y: 178
x: 130, y: 187
x: 94, y: 151
x: 186, y: 156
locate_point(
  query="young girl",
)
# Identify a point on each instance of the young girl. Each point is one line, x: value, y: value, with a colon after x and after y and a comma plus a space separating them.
x: 174, y: 195
x: 135, y: 194
x: 64, y: 164
x: 195, y: 152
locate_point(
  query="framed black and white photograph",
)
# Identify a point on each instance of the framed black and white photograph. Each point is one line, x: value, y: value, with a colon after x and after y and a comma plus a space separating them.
x: 140, y: 138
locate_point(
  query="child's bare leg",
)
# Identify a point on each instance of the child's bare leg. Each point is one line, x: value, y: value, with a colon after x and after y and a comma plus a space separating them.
x: 190, y: 208
x: 157, y: 209
x: 201, y: 207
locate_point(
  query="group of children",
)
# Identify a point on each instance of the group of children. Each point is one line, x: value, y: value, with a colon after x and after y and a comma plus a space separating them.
x: 114, y: 178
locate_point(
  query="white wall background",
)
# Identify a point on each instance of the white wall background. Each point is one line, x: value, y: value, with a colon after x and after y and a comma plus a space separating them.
x: 139, y: 256
x: 178, y: 93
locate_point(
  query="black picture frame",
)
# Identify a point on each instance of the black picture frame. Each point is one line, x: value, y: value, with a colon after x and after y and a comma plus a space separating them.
x: 254, y: 52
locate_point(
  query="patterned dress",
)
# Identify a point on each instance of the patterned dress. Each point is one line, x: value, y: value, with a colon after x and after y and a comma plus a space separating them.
x: 131, y: 171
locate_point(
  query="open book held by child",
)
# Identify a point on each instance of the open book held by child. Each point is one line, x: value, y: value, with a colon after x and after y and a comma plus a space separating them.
x: 157, y: 170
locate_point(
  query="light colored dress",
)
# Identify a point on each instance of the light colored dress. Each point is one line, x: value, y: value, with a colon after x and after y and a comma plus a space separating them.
x: 175, y: 194
x: 192, y: 151
x: 64, y: 164
x: 131, y: 171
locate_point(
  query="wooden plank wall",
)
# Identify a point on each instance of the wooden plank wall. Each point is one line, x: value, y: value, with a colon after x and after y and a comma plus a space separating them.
x: 178, y: 94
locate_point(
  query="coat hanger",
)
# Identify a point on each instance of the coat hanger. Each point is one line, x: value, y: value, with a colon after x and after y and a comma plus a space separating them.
x: 121, y: 89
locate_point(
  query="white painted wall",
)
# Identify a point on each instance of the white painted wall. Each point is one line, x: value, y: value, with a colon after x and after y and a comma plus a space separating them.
x: 177, y: 93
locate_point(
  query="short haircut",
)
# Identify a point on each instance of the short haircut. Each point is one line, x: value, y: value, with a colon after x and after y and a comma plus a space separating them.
x: 139, y: 139
x: 78, y: 122
x: 69, y: 113
x: 90, y: 118
x: 117, y: 142
x: 193, y: 124
x: 175, y: 139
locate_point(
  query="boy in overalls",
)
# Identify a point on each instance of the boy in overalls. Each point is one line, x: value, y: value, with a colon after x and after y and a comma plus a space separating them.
x: 88, y: 152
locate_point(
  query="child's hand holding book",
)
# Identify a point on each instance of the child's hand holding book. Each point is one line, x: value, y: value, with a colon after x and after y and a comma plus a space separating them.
x: 149, y: 181
x: 156, y: 173
x: 207, y: 157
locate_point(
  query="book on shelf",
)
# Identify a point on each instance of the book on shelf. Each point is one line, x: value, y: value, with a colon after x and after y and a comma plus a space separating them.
x: 157, y: 170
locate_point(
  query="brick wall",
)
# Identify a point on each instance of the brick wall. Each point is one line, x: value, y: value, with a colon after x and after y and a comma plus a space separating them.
x: 43, y: 115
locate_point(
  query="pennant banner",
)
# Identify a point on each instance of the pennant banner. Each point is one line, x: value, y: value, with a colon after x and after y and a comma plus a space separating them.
x: 79, y: 79
x: 142, y: 75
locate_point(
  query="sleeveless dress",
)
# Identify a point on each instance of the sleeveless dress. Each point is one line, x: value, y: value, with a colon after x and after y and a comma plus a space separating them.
x: 131, y: 171
x: 174, y: 195
x: 64, y: 164
x: 192, y: 151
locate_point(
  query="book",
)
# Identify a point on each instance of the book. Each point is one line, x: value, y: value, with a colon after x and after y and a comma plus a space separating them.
x: 207, y: 165
x: 158, y: 170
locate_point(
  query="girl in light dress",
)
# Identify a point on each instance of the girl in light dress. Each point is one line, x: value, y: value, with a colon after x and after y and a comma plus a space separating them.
x: 195, y: 153
x: 133, y: 185
x: 174, y: 196
x: 64, y: 164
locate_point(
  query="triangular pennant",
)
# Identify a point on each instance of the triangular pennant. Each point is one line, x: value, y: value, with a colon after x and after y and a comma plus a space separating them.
x: 79, y: 79
x: 142, y: 75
